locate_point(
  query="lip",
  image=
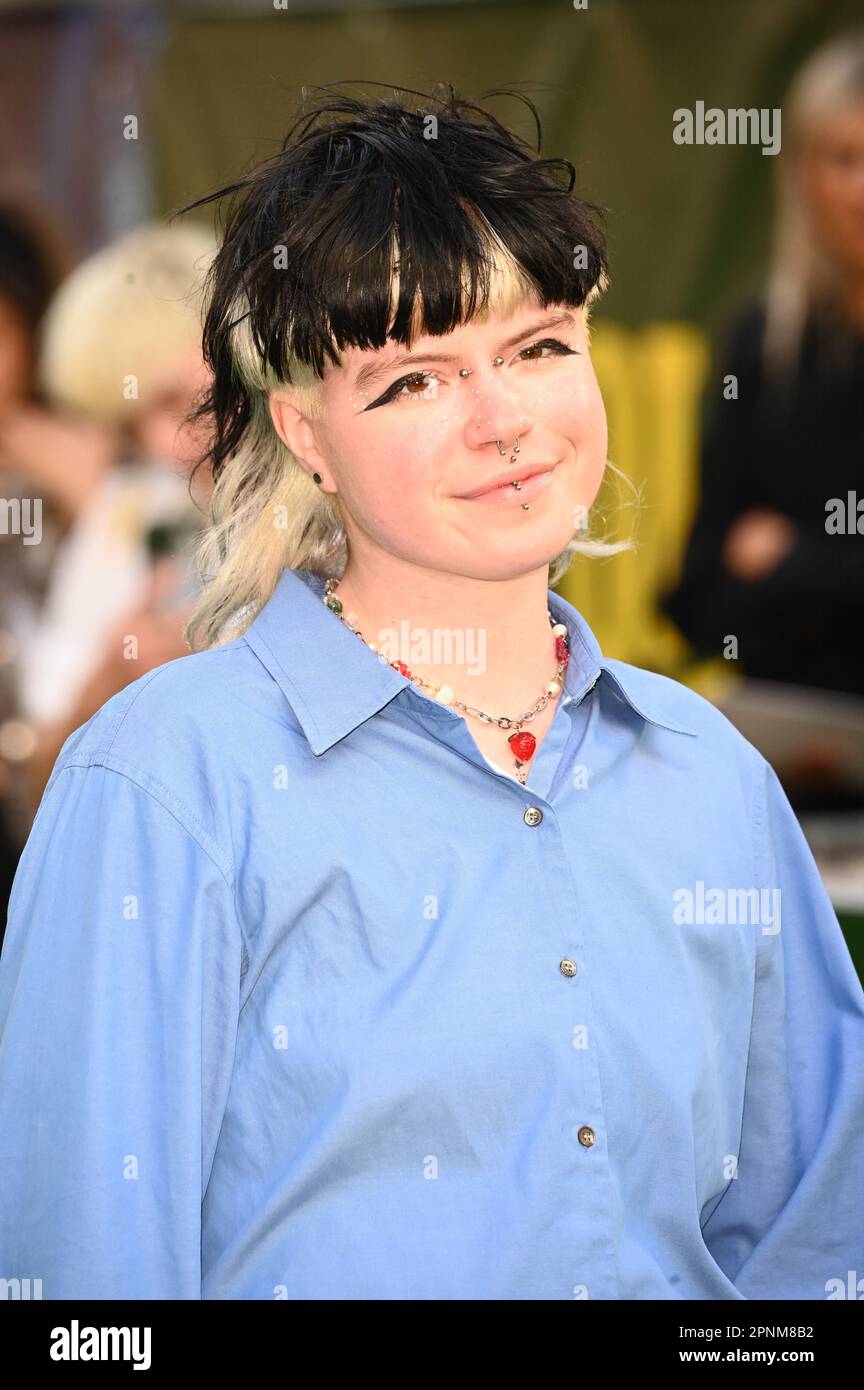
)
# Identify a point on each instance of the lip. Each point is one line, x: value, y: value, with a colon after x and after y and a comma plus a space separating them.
x: 505, y: 480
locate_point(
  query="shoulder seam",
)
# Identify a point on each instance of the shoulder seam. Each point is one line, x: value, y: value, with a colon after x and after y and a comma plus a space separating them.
x: 178, y: 812
x: 145, y: 680
x: 757, y: 815
x: 159, y: 793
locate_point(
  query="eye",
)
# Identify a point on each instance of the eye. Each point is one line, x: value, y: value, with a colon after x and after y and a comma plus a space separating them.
x: 426, y: 382
x: 415, y: 379
x: 556, y: 347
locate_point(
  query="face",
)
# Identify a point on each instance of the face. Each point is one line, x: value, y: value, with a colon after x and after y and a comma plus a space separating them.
x: 16, y: 356
x: 833, y: 175
x: 159, y: 428
x: 405, y: 448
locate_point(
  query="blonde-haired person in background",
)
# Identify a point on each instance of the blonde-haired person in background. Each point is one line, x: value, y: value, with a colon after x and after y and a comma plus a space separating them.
x: 120, y: 356
x: 764, y: 561
x: 381, y: 918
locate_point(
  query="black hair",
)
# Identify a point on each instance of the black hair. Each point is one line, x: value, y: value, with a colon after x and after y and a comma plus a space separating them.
x: 356, y: 176
x: 31, y: 267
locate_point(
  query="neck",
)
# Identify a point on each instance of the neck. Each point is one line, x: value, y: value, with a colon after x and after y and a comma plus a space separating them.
x: 489, y: 640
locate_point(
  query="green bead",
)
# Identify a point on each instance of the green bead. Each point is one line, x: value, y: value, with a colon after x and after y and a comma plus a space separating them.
x: 333, y: 603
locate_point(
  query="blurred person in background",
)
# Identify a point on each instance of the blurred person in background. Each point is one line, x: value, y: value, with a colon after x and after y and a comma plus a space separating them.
x: 121, y: 352
x: 36, y: 501
x: 762, y: 564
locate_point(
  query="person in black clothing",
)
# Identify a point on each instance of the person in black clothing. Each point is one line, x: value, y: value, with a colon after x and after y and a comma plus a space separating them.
x: 761, y: 564
x: 783, y: 443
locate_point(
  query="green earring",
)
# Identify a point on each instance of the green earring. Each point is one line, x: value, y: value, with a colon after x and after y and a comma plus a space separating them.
x: 317, y: 477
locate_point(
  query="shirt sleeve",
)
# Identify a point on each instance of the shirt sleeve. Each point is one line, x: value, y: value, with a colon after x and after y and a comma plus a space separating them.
x: 790, y: 1225
x: 119, y: 1000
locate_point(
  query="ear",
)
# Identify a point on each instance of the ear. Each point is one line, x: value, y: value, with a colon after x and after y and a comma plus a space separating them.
x: 298, y: 435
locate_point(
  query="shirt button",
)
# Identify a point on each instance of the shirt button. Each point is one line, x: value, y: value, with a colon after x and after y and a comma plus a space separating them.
x: 568, y: 967
x: 533, y: 815
x: 586, y: 1136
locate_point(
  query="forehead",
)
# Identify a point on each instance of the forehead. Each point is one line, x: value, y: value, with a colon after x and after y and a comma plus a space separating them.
x: 845, y: 125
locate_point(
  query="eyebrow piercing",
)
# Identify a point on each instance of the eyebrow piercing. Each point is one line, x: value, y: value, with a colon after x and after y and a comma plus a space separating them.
x: 466, y: 371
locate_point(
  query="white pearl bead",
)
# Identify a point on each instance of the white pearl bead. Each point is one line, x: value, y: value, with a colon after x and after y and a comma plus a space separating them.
x: 373, y: 646
x: 559, y: 630
x: 553, y: 688
x: 445, y: 695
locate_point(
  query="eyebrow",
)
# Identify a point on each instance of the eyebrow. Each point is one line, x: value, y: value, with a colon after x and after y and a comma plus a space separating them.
x: 373, y: 371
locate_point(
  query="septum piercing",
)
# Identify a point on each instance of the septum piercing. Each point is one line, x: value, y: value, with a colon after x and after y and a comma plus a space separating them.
x: 516, y: 448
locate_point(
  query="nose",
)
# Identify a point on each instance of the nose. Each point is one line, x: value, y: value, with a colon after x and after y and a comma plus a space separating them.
x: 494, y: 414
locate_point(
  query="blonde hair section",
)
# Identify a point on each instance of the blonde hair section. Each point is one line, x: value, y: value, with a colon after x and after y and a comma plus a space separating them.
x: 120, y: 315
x: 803, y: 273
x: 267, y: 515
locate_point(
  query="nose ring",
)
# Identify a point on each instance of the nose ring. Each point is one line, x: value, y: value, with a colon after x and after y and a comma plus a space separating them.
x: 517, y: 446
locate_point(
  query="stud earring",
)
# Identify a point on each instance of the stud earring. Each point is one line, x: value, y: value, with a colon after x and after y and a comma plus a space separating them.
x: 316, y: 477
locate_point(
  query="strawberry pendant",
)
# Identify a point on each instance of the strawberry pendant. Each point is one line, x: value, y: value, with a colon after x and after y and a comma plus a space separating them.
x: 523, y: 746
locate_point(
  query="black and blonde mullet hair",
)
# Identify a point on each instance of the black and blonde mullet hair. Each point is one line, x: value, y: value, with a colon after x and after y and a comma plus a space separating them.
x: 378, y: 219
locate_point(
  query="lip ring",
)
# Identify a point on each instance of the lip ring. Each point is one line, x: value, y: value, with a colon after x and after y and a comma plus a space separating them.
x: 504, y: 481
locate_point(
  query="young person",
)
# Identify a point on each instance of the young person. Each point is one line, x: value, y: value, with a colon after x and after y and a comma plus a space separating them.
x: 320, y: 985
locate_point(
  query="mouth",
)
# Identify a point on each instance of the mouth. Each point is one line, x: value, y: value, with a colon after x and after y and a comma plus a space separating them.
x: 532, y: 480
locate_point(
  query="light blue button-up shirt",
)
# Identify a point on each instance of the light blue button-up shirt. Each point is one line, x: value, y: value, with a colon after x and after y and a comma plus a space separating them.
x: 302, y: 998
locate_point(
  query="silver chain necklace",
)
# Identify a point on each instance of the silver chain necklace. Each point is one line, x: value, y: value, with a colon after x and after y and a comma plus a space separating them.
x: 522, y: 743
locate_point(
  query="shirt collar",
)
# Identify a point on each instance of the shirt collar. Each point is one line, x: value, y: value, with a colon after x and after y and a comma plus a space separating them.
x: 334, y: 682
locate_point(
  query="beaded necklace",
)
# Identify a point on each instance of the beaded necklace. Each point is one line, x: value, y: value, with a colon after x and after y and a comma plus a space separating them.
x: 522, y: 743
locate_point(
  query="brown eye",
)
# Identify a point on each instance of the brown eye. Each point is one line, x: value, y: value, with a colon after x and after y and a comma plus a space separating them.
x: 555, y: 346
x: 401, y: 390
x: 418, y: 379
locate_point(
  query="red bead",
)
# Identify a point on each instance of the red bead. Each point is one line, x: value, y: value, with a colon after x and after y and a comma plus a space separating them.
x: 523, y: 746
x: 561, y: 649
x: 401, y: 667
